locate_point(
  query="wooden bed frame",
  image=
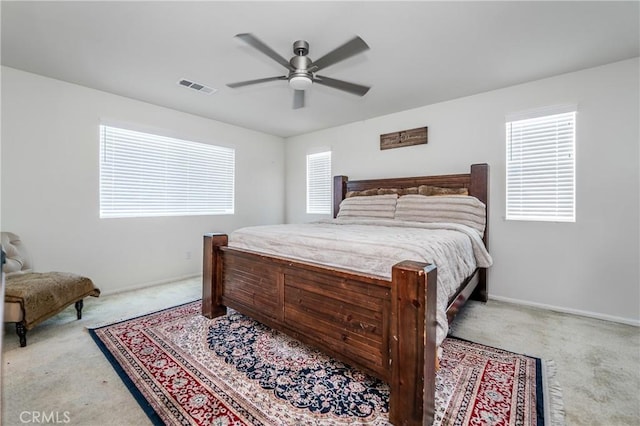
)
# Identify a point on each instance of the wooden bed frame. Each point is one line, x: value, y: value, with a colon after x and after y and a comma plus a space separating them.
x: 385, y: 328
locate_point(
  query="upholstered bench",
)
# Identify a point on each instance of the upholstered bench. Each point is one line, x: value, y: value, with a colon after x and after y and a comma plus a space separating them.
x: 33, y: 297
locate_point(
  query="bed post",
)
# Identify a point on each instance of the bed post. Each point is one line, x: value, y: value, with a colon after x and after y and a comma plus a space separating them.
x: 339, y: 192
x: 479, y: 188
x: 413, y: 344
x: 212, y: 275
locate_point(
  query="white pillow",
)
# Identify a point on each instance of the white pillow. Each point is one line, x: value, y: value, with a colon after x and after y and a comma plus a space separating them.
x: 461, y: 209
x: 372, y: 206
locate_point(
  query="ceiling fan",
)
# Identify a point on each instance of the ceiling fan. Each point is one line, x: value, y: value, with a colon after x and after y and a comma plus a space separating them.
x: 302, y: 70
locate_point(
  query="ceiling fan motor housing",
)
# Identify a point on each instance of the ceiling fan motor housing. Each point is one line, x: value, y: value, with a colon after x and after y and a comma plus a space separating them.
x: 300, y: 63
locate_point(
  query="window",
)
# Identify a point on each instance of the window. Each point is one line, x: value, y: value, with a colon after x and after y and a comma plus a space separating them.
x: 541, y: 167
x: 319, y: 183
x: 148, y: 175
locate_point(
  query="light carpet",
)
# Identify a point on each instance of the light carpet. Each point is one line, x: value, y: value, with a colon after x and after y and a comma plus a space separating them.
x: 186, y: 369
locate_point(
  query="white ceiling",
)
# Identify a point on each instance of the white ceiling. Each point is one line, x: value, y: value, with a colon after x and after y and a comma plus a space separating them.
x: 421, y: 52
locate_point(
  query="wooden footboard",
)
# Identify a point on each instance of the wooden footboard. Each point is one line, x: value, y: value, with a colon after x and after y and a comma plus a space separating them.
x: 385, y: 328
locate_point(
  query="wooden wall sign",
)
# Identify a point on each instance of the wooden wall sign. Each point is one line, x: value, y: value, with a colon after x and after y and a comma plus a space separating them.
x: 404, y: 138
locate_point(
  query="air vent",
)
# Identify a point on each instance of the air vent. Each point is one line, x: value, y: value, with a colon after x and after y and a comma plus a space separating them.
x: 197, y: 86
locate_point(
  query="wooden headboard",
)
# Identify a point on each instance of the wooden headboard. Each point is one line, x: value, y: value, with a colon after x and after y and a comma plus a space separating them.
x: 476, y: 181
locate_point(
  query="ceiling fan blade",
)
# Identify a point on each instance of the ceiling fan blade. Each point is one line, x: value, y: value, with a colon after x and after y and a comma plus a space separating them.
x: 259, y: 80
x: 298, y: 99
x: 356, y: 89
x: 347, y: 50
x: 256, y: 43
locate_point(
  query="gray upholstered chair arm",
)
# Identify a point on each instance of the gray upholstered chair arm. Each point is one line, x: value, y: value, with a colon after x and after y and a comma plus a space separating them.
x: 18, y: 260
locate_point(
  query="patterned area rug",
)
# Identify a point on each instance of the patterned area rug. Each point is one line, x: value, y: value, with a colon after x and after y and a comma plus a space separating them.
x: 186, y: 369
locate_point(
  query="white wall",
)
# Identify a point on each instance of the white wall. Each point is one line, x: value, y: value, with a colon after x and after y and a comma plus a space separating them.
x: 50, y: 183
x: 590, y: 266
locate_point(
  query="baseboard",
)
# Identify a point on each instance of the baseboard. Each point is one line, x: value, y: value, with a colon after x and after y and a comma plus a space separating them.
x: 148, y: 284
x: 579, y: 312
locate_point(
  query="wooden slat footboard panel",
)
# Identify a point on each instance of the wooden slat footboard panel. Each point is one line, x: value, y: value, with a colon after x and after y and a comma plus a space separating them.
x: 347, y: 316
x: 251, y: 285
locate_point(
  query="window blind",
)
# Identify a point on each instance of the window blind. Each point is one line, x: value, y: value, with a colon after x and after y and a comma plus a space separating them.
x: 148, y: 175
x: 541, y: 168
x: 319, y: 183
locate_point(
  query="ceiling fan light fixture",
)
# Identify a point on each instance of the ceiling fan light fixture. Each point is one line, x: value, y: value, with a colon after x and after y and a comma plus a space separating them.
x: 300, y: 82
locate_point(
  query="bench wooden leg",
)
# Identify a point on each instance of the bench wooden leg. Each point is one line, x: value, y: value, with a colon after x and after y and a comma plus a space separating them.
x: 79, y: 305
x: 22, y: 333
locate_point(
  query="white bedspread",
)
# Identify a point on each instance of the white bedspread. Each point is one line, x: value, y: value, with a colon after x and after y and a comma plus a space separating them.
x: 374, y: 246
